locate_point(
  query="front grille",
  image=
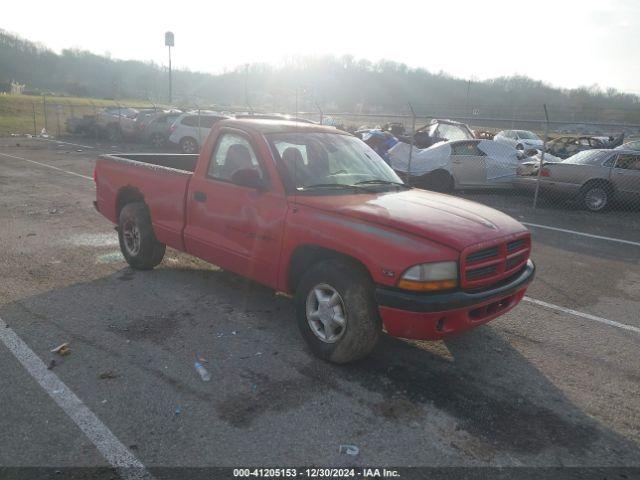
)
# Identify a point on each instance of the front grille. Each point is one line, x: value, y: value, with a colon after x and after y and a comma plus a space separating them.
x: 483, y: 255
x: 486, y: 265
x: 480, y: 272
x: 516, y: 245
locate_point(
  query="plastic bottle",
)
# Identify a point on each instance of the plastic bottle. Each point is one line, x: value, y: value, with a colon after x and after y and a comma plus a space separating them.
x: 204, y: 375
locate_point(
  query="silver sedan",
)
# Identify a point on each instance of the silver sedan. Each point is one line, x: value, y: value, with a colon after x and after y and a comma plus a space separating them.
x: 594, y: 177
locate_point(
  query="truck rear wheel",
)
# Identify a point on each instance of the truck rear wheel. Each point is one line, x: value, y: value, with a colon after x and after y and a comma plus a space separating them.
x: 138, y: 242
x: 336, y: 312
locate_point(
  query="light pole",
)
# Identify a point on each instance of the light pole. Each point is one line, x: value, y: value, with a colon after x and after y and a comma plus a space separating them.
x: 169, y: 42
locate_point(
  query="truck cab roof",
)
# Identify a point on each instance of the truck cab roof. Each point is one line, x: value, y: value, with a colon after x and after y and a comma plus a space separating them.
x: 264, y: 126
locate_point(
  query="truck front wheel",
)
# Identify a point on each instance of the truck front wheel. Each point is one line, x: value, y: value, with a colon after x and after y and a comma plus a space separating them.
x: 336, y: 312
x: 138, y: 242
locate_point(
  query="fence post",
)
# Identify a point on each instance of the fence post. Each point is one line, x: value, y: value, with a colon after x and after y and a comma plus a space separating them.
x: 321, y: 113
x: 44, y: 111
x: 35, y: 129
x: 544, y: 149
x: 58, y: 108
x: 413, y: 132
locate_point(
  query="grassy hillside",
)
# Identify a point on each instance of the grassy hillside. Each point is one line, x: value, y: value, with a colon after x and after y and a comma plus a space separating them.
x: 17, y: 112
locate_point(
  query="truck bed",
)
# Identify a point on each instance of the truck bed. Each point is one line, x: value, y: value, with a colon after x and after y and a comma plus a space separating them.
x: 160, y: 180
x: 175, y: 161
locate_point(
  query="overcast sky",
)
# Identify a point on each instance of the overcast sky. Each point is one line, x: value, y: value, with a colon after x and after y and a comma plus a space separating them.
x: 564, y: 43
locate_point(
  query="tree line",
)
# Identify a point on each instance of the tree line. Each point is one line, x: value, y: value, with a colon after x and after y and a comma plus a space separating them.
x: 330, y: 83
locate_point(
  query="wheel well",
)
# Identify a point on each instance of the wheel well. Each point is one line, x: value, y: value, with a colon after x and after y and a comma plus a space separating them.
x: 306, y: 256
x: 127, y: 195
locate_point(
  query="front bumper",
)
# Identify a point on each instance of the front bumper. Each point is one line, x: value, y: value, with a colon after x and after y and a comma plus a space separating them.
x: 431, y: 316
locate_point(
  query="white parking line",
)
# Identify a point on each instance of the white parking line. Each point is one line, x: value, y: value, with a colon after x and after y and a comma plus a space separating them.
x: 105, y: 441
x: 574, y: 232
x: 588, y: 316
x: 46, y: 165
x: 66, y: 143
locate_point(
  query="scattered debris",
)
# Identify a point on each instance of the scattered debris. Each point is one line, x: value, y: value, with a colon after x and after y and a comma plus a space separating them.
x: 108, y: 375
x: 204, y: 375
x: 257, y: 354
x: 349, y: 450
x: 51, y: 365
x: 178, y: 410
x: 53, y: 211
x: 62, y: 350
x: 104, y: 401
x: 31, y: 234
x: 79, y: 150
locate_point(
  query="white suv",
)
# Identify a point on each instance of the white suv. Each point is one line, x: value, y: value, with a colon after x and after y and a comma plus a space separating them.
x: 520, y: 139
x: 191, y: 129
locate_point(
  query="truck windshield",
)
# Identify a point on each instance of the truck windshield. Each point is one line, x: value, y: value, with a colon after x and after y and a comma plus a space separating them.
x: 310, y: 161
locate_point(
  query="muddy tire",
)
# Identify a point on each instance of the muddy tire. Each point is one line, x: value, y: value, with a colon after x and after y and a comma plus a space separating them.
x: 138, y: 242
x: 336, y: 311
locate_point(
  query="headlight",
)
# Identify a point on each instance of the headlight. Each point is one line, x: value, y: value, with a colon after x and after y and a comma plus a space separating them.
x: 430, y: 277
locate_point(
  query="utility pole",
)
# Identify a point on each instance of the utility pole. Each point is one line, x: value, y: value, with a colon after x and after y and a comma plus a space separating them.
x: 246, y: 86
x: 169, y: 42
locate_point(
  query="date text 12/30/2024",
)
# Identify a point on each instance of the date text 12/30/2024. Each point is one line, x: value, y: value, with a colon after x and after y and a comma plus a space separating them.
x: 364, y: 472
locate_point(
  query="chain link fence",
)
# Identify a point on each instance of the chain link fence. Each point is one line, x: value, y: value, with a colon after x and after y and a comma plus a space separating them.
x: 552, y: 157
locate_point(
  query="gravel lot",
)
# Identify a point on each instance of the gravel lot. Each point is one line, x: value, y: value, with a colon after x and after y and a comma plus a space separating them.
x: 540, y: 386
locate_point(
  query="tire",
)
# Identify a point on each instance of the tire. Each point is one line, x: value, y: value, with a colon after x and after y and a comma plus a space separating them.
x: 189, y: 145
x: 596, y: 197
x: 437, y: 181
x: 353, y: 318
x: 138, y: 242
x: 157, y: 140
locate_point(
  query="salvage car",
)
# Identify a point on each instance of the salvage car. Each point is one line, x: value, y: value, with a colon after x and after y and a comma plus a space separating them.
x: 633, y: 145
x: 312, y: 211
x: 595, y: 178
x: 456, y: 165
x: 157, y: 128
x: 519, y: 139
x: 440, y: 131
x: 564, y: 147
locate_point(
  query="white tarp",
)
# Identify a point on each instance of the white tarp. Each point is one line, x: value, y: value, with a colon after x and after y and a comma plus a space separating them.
x: 501, y: 160
x: 423, y: 160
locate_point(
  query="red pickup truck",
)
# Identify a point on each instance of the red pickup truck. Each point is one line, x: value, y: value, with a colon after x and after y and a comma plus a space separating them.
x: 314, y: 212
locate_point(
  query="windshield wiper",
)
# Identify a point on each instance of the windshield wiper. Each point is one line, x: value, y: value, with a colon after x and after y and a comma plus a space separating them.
x: 379, y: 181
x: 340, y: 186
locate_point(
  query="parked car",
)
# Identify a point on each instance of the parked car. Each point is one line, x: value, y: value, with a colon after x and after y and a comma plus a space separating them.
x: 456, y: 165
x: 596, y: 177
x: 191, y: 129
x: 116, y: 123
x: 156, y: 129
x: 564, y: 147
x: 440, y: 131
x: 633, y: 145
x: 312, y: 211
x: 519, y: 139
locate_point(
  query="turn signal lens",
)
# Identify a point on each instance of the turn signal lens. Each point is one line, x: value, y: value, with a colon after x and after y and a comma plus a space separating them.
x: 427, y: 286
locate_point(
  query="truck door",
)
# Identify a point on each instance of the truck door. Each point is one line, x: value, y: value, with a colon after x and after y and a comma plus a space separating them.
x: 234, y: 218
x: 468, y: 163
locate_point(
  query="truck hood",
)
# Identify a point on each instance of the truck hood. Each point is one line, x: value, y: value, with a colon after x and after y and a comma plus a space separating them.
x: 448, y: 220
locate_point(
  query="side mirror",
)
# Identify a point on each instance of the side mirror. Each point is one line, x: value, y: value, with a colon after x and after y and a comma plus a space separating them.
x: 249, y: 177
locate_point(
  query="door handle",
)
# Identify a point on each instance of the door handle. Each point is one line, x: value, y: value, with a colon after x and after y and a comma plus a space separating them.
x: 199, y: 197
